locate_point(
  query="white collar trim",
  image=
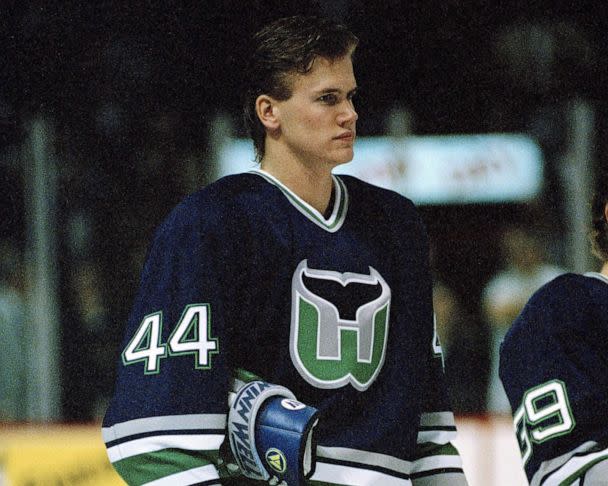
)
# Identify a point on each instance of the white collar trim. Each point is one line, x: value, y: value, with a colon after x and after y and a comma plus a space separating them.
x: 335, y: 220
x: 599, y: 276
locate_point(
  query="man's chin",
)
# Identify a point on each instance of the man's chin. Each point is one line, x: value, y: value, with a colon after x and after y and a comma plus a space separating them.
x: 345, y: 157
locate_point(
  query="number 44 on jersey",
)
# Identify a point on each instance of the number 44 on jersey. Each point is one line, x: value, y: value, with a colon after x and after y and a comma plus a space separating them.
x: 190, y: 336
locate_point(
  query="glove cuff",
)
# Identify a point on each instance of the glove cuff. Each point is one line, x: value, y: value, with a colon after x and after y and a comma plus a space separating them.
x: 242, y: 423
x: 284, y: 438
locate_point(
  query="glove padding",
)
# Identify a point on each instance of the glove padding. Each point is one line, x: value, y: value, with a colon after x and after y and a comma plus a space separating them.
x: 270, y: 434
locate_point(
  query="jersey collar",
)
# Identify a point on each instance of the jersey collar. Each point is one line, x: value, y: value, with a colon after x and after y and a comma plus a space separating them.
x: 335, y: 220
x: 599, y: 276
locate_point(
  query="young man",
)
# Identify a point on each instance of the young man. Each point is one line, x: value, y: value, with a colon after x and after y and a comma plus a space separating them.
x: 287, y: 282
x: 555, y: 372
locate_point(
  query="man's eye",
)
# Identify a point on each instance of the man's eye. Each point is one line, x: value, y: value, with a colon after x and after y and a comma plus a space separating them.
x: 330, y: 99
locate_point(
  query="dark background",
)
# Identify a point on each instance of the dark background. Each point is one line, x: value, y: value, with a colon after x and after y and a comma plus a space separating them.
x: 436, y: 57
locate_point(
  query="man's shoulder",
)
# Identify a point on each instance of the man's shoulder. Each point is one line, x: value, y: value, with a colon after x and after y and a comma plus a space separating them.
x: 559, y: 307
x: 227, y: 190
x: 381, y: 204
x: 564, y: 290
x: 362, y: 188
x: 220, y: 202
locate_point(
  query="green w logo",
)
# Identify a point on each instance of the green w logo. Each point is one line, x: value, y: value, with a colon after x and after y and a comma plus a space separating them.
x: 328, y: 350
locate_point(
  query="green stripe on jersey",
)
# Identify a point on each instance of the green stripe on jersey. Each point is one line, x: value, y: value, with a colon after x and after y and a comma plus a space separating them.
x: 430, y: 449
x: 577, y: 474
x: 246, y: 376
x: 322, y: 483
x: 144, y: 468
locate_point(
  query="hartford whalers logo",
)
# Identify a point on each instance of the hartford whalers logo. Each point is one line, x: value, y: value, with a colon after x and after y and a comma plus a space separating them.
x: 328, y: 350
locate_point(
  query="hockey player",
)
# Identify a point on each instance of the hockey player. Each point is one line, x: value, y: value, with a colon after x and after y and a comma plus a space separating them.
x: 554, y: 369
x: 283, y: 330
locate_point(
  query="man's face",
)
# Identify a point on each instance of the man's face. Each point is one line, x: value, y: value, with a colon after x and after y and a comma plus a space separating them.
x: 317, y: 123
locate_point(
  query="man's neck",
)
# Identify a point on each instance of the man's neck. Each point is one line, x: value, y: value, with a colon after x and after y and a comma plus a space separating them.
x: 604, y: 270
x: 312, y: 184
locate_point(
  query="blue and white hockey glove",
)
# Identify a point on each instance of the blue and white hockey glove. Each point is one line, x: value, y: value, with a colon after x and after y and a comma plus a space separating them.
x: 271, y: 434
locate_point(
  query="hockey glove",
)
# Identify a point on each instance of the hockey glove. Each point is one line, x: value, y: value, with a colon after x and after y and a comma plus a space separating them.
x: 271, y: 434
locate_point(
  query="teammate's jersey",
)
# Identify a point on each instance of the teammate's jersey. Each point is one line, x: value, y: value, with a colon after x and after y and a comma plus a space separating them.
x: 554, y: 367
x: 245, y: 274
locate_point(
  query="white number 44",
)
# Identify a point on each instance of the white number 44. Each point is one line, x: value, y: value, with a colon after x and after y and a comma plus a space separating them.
x: 190, y: 336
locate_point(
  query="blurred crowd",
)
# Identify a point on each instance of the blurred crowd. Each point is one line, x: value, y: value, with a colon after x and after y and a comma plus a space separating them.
x: 106, y: 210
x: 471, y: 340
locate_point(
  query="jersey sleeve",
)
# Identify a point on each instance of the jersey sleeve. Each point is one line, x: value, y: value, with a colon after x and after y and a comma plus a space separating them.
x: 555, y: 374
x: 437, y: 461
x: 166, y: 421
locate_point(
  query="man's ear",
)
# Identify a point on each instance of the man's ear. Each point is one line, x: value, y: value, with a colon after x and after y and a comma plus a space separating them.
x: 266, y: 109
x: 606, y: 212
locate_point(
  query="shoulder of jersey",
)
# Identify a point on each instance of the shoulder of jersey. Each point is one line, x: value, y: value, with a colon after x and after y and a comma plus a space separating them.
x: 229, y: 187
x: 559, y: 304
x: 219, y: 200
x: 361, y: 190
x: 360, y: 186
x: 566, y: 288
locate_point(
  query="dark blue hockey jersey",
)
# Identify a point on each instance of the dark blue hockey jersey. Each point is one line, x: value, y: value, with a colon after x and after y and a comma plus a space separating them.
x: 554, y: 368
x: 245, y: 275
